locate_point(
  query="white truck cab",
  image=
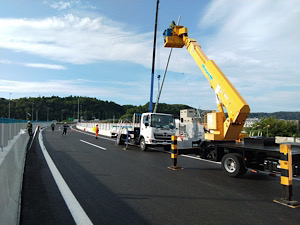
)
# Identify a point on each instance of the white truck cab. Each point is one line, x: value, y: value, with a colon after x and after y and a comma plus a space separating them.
x: 156, y: 129
x: 148, y: 129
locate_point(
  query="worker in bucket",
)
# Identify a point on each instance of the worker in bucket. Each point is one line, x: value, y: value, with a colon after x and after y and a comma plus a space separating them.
x: 173, y: 24
x: 97, y: 131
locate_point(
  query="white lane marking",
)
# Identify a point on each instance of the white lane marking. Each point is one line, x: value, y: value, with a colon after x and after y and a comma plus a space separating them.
x: 86, y: 133
x: 188, y: 156
x: 75, y: 208
x: 193, y: 157
x: 93, y: 145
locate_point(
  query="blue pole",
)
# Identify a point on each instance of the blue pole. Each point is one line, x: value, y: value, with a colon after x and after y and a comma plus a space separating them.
x: 153, y: 59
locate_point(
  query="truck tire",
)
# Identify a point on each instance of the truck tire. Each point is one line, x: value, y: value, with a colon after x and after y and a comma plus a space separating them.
x: 143, y: 145
x: 167, y: 147
x: 119, y: 140
x: 233, y: 164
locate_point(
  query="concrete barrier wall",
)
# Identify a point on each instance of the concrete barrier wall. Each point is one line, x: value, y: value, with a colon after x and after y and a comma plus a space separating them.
x: 13, y: 139
x: 90, y: 129
x: 286, y: 139
x: 104, y: 128
x: 8, y: 131
x: 11, y: 172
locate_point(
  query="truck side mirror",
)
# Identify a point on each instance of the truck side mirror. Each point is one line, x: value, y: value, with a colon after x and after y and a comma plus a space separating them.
x: 146, y: 124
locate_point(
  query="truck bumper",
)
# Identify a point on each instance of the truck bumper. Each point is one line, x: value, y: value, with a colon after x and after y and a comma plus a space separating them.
x: 158, y: 142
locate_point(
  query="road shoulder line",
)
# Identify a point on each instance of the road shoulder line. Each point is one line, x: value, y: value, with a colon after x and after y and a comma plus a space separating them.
x: 75, y: 208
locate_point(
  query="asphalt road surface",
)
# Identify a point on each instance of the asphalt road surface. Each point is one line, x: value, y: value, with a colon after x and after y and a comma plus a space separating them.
x: 116, y: 186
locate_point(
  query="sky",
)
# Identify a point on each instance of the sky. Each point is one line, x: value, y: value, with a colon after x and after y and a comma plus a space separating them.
x: 103, y: 49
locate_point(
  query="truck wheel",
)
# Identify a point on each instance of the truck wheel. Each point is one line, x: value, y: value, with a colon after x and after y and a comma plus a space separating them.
x: 143, y: 145
x: 119, y: 140
x: 233, y: 164
x: 167, y: 147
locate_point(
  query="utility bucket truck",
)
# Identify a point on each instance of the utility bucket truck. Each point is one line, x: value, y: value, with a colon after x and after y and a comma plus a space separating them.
x: 147, y: 129
x: 223, y: 140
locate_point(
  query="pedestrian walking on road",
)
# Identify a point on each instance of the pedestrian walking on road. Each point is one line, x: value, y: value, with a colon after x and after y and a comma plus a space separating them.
x: 97, y: 131
x: 29, y: 128
x: 65, y: 129
x: 52, y: 126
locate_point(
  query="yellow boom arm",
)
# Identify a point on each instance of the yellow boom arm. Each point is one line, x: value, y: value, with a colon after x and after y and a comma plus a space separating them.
x: 220, y: 127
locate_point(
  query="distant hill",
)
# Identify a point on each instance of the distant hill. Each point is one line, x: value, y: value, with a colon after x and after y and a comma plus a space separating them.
x: 162, y: 108
x: 278, y: 115
x: 57, y: 108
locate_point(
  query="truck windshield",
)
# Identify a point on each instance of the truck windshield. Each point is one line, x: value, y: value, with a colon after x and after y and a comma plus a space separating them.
x: 162, y: 121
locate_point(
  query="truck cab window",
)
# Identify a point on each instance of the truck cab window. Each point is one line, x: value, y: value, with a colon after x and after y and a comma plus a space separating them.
x: 146, y: 119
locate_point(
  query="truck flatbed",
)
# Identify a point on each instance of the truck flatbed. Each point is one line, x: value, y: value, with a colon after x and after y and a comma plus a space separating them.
x: 257, y: 153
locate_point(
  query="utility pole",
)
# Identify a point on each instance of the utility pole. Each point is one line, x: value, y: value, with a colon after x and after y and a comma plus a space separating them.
x: 153, y: 59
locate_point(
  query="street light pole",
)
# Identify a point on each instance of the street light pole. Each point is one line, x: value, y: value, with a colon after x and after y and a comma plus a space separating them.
x: 81, y: 111
x: 268, y: 130
x: 78, y: 111
x: 32, y: 112
x: 9, y: 106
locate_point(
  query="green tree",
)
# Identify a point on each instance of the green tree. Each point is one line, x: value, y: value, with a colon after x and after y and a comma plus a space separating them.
x: 271, y: 127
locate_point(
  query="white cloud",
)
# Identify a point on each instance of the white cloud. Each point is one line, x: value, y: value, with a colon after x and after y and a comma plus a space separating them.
x: 6, y: 62
x: 256, y: 44
x: 62, y: 5
x: 45, y: 66
x: 79, y: 87
x: 75, y: 40
x: 35, y: 65
x: 262, y: 34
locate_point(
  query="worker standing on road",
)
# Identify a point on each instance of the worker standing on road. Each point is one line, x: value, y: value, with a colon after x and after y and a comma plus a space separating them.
x: 65, y: 129
x: 29, y: 128
x: 52, y: 126
x: 97, y: 131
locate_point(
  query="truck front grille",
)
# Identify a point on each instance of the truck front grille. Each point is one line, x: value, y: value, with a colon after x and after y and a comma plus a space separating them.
x: 163, y: 136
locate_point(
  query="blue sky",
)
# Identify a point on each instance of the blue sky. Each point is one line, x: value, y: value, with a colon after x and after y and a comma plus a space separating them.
x: 103, y: 49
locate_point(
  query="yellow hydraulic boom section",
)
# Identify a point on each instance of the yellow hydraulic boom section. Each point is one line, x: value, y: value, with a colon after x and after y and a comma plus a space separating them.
x: 219, y: 127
